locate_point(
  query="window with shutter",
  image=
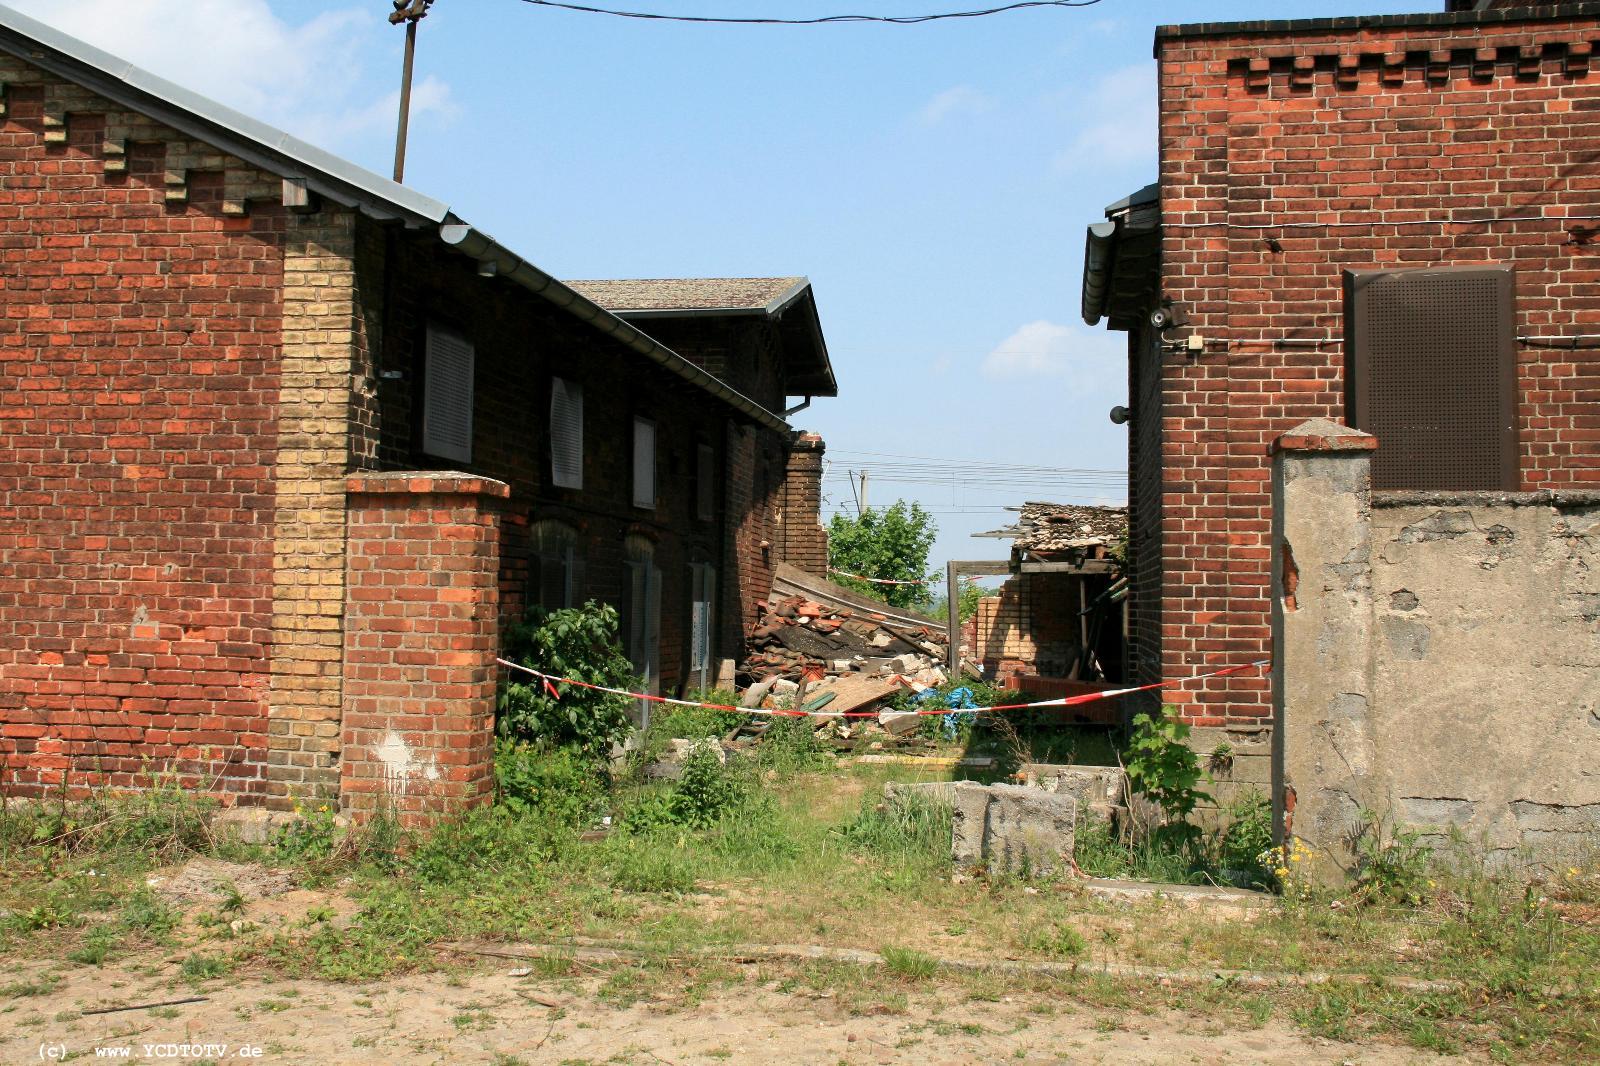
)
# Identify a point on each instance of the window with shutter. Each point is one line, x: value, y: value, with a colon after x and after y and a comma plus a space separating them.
x: 705, y: 485
x: 703, y: 585
x: 566, y: 433
x: 555, y: 572
x: 1430, y: 370
x: 644, y: 463
x: 447, y: 395
x: 640, y: 622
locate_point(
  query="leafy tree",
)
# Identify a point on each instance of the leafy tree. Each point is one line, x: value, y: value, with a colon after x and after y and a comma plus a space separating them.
x: 579, y: 643
x: 890, y: 544
x: 966, y: 600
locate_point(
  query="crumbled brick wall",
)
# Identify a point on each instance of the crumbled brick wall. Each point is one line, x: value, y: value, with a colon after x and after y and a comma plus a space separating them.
x: 804, y: 540
x: 140, y: 323
x: 420, y: 640
x: 1369, y: 129
x: 1032, y: 625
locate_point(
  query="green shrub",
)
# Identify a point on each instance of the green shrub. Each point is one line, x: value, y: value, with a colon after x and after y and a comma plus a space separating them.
x: 485, y: 838
x: 906, y: 826
x: 695, y: 723
x: 562, y: 787
x: 1162, y: 767
x: 650, y: 865
x: 790, y: 746
x: 1391, y: 861
x: 578, y: 643
x: 311, y: 836
x: 1246, y: 839
x: 910, y: 963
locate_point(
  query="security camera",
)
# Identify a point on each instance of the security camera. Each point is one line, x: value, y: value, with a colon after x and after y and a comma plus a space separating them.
x: 1120, y: 415
x: 1161, y: 317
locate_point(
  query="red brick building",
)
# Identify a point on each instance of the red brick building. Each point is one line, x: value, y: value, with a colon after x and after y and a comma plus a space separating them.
x: 1388, y: 221
x: 283, y: 445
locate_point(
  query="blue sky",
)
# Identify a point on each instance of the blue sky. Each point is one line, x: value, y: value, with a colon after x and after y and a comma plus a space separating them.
x: 933, y: 181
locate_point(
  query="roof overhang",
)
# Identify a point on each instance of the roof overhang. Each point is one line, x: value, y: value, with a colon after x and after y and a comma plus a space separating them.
x: 808, y: 370
x: 1122, y: 260
x: 338, y: 180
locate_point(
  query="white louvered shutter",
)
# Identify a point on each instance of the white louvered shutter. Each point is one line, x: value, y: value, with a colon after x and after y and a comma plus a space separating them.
x: 447, y: 395
x: 644, y: 463
x: 566, y: 433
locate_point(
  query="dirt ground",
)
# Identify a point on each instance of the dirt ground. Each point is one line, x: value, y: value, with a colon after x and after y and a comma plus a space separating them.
x: 490, y: 1014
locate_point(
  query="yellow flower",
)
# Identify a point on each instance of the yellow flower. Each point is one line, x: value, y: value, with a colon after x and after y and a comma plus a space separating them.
x: 1294, y: 858
x: 1572, y: 871
x: 1282, y: 871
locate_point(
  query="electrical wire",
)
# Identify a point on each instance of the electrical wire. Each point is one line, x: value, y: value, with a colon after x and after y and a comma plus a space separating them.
x: 893, y: 20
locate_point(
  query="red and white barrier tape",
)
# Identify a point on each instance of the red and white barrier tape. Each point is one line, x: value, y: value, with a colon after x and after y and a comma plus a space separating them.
x: 551, y: 681
x: 879, y: 580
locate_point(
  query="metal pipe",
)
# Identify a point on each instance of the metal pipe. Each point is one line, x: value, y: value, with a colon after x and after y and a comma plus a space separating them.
x: 480, y: 246
x: 405, y: 103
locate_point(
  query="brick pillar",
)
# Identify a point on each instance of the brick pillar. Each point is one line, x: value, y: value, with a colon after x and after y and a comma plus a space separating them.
x: 805, y: 542
x: 421, y: 636
x: 320, y: 347
x: 1322, y: 737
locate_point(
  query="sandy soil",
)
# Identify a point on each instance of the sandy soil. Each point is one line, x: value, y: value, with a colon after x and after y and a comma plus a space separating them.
x: 490, y: 1015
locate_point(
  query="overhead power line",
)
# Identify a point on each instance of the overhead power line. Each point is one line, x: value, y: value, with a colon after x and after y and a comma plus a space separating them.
x: 893, y: 20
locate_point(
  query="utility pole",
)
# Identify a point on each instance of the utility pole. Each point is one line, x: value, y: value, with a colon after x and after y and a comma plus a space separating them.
x: 861, y: 502
x: 410, y: 12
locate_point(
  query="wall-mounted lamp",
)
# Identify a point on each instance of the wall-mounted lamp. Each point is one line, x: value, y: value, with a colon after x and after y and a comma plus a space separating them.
x: 1120, y: 415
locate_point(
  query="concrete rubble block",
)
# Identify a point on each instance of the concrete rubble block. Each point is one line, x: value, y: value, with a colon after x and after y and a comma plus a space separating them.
x: 757, y: 692
x: 670, y: 766
x: 1013, y: 829
x: 900, y: 723
x: 1099, y: 790
x: 785, y: 687
x: 942, y: 792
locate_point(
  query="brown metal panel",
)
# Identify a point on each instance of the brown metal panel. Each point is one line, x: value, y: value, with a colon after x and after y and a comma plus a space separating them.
x: 1430, y: 370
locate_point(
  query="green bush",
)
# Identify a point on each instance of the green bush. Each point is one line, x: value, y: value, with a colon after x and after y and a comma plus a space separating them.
x: 704, y: 792
x: 901, y: 827
x: 483, y: 839
x: 311, y: 836
x: 1391, y: 861
x: 790, y: 746
x: 695, y: 723
x: 578, y: 643
x: 1162, y: 767
x: 1246, y: 839
x: 562, y: 787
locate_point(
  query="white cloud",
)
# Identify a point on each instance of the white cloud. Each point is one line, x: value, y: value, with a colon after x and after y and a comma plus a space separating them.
x: 956, y: 100
x: 306, y: 77
x: 1122, y: 121
x: 1089, y: 361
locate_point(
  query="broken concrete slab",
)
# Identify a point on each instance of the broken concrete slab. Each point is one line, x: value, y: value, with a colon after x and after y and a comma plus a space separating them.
x: 899, y: 723
x: 1099, y: 790
x: 1013, y: 829
x: 1199, y: 896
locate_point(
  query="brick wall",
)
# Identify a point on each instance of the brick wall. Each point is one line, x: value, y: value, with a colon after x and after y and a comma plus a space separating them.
x: 420, y: 640
x: 1359, y: 135
x: 804, y: 541
x: 1031, y: 626
x: 140, y: 325
x: 521, y: 343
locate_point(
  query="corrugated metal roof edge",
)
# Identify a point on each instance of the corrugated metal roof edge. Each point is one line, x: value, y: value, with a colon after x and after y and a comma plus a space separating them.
x: 329, y: 175
x: 1533, y: 12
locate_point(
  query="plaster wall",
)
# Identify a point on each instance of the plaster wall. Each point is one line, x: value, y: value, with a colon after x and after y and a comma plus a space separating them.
x: 1437, y: 661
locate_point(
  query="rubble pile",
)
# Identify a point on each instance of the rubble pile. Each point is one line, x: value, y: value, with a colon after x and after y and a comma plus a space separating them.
x: 799, y: 639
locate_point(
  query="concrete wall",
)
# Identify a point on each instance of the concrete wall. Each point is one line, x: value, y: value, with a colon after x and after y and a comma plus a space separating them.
x: 1437, y: 659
